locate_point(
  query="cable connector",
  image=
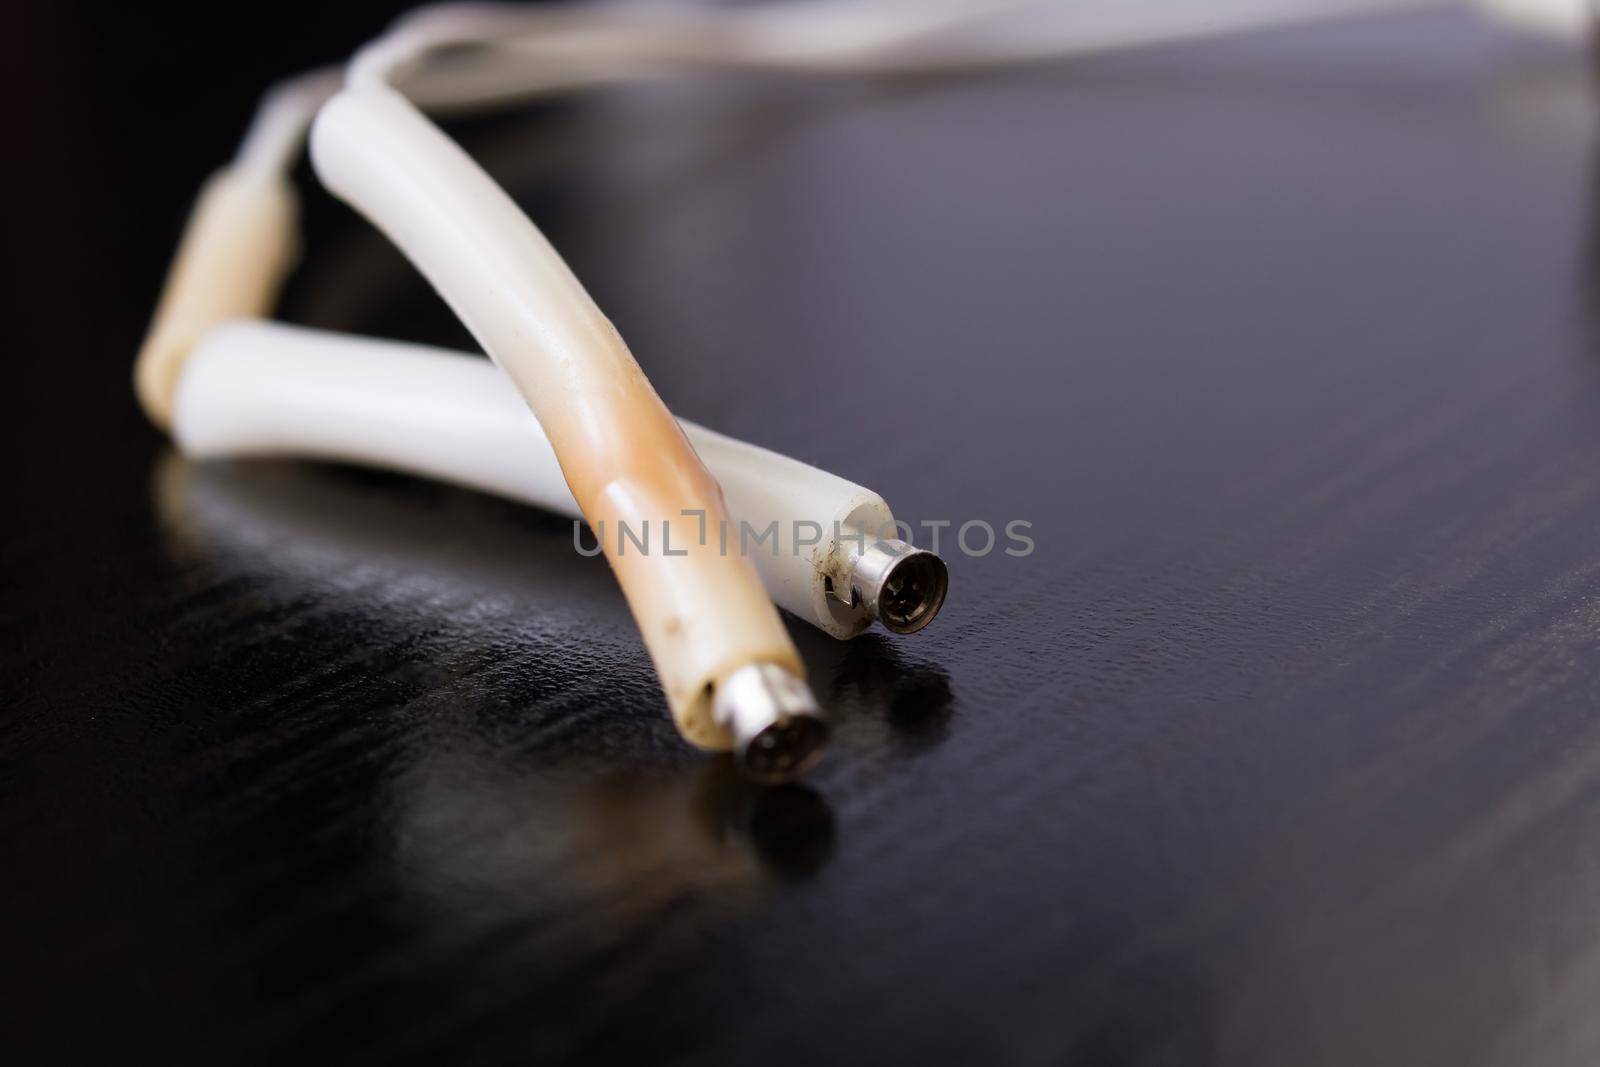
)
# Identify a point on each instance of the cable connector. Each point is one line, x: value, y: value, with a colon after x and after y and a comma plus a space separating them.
x: 778, y: 730
x: 900, y: 585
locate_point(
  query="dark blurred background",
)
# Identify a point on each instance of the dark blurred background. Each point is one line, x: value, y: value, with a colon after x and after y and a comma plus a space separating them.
x: 115, y: 114
x: 1282, y: 748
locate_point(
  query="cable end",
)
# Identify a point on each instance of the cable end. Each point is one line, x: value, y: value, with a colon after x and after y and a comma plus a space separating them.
x: 901, y: 585
x: 778, y: 730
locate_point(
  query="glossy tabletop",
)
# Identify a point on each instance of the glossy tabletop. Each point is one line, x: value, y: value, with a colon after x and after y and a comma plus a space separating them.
x: 1282, y: 746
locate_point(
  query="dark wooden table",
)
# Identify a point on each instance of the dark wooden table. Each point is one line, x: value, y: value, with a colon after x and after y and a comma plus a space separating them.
x: 1282, y: 748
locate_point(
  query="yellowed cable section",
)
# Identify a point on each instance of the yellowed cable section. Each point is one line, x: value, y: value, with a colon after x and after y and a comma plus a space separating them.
x: 703, y: 614
x: 240, y: 243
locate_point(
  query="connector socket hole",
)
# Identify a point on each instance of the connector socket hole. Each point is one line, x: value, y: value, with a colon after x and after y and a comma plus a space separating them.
x: 913, y: 592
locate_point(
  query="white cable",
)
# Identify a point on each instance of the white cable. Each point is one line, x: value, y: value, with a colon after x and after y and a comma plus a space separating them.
x: 1557, y: 18
x: 278, y: 131
x: 267, y: 389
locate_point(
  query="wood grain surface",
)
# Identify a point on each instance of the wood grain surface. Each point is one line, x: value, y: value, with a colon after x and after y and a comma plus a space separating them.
x: 1283, y: 747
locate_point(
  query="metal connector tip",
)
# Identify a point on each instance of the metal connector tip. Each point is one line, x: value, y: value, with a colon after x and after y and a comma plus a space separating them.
x: 778, y: 730
x: 904, y: 586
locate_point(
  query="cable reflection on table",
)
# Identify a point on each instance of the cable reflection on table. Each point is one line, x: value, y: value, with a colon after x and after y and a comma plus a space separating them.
x: 490, y: 815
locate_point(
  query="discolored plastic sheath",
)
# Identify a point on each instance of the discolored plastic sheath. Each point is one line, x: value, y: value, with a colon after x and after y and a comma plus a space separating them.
x: 703, y: 614
x: 237, y: 248
x: 270, y: 389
